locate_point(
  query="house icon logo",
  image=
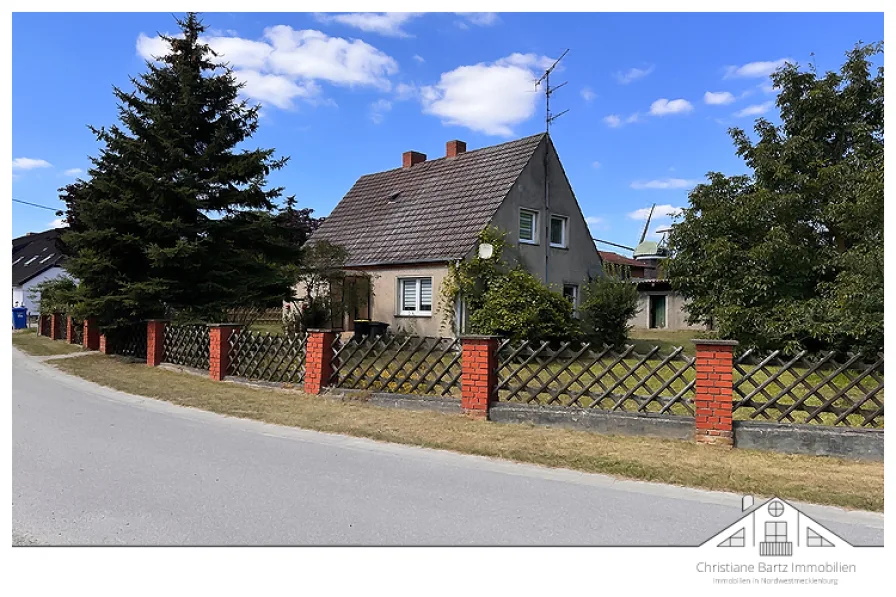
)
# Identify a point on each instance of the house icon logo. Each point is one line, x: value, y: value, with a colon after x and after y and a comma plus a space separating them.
x: 775, y: 529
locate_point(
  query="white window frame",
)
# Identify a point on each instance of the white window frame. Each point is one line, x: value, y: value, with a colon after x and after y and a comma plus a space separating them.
x: 565, y: 242
x: 418, y: 287
x: 535, y: 214
x: 575, y: 297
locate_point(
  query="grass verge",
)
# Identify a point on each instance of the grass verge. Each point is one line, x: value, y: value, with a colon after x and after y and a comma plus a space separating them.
x: 28, y: 341
x: 820, y: 480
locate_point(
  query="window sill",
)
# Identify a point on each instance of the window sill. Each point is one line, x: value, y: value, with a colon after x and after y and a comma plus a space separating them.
x: 528, y: 242
x: 413, y: 314
x: 564, y: 247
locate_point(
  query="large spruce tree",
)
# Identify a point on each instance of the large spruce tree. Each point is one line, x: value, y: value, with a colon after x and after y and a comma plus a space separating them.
x: 792, y: 256
x: 176, y: 218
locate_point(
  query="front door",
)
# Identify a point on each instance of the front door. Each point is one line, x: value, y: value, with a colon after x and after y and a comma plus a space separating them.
x: 657, y: 311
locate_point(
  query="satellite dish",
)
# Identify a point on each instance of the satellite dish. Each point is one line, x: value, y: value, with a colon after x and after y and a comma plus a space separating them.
x: 486, y: 251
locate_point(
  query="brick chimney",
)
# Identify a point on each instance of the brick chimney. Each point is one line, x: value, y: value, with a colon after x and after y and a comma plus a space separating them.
x: 452, y: 148
x: 410, y: 158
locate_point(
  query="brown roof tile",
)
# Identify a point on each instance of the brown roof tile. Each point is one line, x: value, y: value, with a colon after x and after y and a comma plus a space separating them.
x: 429, y: 212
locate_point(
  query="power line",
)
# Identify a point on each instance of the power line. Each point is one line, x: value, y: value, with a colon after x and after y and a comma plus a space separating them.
x: 35, y: 205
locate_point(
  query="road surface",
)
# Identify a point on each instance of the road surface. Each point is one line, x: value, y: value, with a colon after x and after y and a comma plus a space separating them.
x: 95, y: 466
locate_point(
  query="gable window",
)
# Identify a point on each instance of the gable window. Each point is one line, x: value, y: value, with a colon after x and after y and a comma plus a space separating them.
x: 558, y: 231
x: 529, y: 226
x: 415, y: 296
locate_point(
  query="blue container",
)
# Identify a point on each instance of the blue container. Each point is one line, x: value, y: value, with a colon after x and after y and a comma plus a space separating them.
x: 19, y: 318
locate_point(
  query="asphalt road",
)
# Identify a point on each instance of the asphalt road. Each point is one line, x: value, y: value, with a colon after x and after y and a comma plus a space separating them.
x: 94, y: 466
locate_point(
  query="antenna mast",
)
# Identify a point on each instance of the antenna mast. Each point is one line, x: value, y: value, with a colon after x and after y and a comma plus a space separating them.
x: 548, y: 90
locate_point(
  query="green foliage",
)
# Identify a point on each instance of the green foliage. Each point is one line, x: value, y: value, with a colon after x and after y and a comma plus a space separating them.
x: 791, y: 256
x: 322, y: 278
x: 175, y: 219
x: 608, y: 304
x: 56, y: 295
x: 469, y: 279
x: 519, y: 306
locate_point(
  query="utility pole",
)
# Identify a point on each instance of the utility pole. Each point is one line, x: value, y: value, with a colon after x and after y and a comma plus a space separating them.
x: 548, y: 119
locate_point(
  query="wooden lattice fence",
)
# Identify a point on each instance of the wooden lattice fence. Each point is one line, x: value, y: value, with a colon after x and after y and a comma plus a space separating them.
x: 268, y: 357
x: 828, y: 389
x: 128, y: 341
x: 77, y: 332
x: 400, y: 364
x: 187, y: 345
x: 582, y: 375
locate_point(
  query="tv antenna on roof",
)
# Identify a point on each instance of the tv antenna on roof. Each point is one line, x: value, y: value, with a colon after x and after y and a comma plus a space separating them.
x: 548, y: 90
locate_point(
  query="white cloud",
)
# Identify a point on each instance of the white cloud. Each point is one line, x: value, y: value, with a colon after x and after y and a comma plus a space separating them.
x: 58, y: 223
x: 633, y: 74
x: 29, y: 164
x: 587, y: 94
x: 378, y: 110
x: 665, y: 184
x: 405, y: 91
x: 287, y: 64
x: 755, y: 109
x: 275, y: 90
x: 660, y: 211
x: 596, y: 223
x: 419, y: 58
x: 718, y: 98
x: 615, y: 120
x: 663, y: 106
x: 480, y: 19
x: 73, y: 172
x: 595, y: 164
x: 755, y: 69
x: 489, y: 98
x: 384, y: 23
x: 767, y: 87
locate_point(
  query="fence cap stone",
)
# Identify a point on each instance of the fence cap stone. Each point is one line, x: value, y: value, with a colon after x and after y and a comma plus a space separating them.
x: 321, y: 330
x: 224, y: 325
x: 715, y: 342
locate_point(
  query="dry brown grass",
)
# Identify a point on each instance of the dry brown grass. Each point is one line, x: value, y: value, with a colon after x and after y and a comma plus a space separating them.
x: 28, y: 341
x: 820, y: 480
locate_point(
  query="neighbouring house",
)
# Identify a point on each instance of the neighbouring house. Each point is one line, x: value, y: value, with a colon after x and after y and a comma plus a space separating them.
x: 403, y: 227
x: 35, y: 258
x: 659, y: 307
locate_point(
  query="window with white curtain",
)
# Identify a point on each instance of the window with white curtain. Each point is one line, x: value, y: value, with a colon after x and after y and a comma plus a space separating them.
x: 415, y: 296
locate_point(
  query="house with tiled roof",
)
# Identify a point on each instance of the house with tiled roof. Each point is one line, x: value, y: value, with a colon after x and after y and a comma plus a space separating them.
x: 35, y: 258
x: 404, y: 226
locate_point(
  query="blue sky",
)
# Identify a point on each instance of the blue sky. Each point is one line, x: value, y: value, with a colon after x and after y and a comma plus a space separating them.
x: 650, y: 95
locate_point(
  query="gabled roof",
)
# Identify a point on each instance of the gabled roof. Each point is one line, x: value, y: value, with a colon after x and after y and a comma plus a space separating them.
x: 34, y: 254
x: 430, y: 212
x: 611, y: 257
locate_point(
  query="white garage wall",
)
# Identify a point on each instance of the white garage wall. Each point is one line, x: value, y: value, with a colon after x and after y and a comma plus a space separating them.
x: 22, y: 293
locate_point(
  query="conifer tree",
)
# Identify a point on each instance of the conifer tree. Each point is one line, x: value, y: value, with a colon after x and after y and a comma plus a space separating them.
x: 176, y: 218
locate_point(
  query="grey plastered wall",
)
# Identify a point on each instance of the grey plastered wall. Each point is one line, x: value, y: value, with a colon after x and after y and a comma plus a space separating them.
x: 571, y: 265
x: 817, y: 440
x: 676, y: 312
x: 667, y: 427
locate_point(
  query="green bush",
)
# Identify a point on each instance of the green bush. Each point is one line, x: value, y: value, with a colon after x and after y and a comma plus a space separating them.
x: 608, y: 304
x: 519, y: 306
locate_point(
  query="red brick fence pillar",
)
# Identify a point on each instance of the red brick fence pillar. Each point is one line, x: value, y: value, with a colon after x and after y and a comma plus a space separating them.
x: 219, y: 349
x: 155, y: 341
x: 104, y: 345
x: 91, y: 334
x: 714, y: 391
x: 479, y: 374
x: 56, y: 326
x: 318, y: 360
x: 70, y: 330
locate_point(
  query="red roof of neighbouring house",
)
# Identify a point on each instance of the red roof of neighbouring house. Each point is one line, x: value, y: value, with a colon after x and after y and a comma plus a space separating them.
x: 611, y: 257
